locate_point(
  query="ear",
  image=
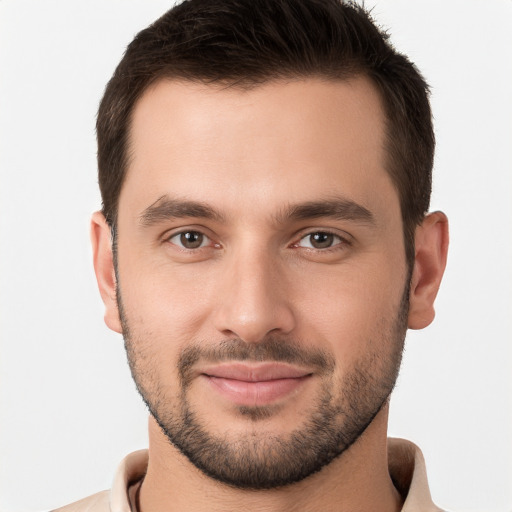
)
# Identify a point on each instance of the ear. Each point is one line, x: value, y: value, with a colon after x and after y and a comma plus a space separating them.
x: 104, y: 269
x: 431, y: 248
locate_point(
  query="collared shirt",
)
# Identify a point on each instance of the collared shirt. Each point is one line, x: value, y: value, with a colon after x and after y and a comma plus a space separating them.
x: 406, y: 467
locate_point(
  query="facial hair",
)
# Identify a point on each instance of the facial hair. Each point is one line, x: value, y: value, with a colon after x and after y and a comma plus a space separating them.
x: 343, y: 408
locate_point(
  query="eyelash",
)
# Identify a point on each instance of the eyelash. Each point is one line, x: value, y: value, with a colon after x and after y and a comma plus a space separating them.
x: 169, y: 238
x: 340, y: 245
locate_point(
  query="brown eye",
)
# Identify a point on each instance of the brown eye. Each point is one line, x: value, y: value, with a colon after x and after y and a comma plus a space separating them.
x: 320, y: 240
x: 189, y: 239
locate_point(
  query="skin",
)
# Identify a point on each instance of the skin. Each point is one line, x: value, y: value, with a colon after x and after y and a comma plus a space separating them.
x: 249, y: 155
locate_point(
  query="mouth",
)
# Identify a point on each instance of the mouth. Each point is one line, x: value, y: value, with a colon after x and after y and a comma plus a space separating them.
x: 255, y: 384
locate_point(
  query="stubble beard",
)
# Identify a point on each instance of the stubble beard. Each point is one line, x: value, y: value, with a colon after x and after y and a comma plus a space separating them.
x: 260, y: 460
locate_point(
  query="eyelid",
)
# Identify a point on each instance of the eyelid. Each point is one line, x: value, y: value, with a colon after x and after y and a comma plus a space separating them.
x: 204, y: 243
x: 345, y: 237
x: 168, y: 235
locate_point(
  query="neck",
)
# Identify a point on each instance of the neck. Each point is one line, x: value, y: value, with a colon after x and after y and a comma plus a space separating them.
x: 356, y: 480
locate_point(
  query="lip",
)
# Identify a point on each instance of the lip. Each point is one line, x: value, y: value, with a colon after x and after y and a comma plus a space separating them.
x: 255, y: 384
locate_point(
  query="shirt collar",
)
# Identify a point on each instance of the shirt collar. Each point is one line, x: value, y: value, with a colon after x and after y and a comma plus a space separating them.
x: 406, y: 467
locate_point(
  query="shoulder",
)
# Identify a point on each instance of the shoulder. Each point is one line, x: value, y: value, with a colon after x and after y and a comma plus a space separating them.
x: 129, y: 473
x: 408, y: 472
x: 99, y: 502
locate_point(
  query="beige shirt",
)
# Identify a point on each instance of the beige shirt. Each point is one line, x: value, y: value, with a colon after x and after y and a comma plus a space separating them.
x: 406, y: 467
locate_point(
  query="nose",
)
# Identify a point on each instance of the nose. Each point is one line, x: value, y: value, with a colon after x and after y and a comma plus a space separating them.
x: 254, y: 299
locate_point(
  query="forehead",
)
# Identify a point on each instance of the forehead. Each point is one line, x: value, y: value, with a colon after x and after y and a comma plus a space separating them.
x: 275, y: 142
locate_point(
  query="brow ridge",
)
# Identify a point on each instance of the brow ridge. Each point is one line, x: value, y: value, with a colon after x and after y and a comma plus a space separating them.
x: 336, y: 208
x: 166, y: 208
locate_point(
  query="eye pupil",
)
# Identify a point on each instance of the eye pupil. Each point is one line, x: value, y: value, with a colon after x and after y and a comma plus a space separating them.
x: 191, y: 239
x: 322, y: 240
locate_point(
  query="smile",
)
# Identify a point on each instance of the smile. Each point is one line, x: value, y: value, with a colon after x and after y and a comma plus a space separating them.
x: 255, y: 385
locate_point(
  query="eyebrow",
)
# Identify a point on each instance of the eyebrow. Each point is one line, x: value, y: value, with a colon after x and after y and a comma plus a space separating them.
x: 166, y: 208
x: 336, y: 208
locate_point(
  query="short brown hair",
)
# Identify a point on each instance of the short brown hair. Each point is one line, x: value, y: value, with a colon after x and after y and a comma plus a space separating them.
x: 243, y: 43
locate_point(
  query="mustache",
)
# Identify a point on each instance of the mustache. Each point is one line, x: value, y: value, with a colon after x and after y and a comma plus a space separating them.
x: 270, y: 349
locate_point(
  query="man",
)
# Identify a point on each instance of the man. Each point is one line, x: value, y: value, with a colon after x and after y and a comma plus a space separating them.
x: 264, y: 244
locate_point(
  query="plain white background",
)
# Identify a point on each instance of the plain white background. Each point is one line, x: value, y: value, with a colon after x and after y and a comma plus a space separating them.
x: 69, y: 410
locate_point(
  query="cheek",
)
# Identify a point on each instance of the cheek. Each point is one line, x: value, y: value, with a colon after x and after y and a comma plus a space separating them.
x: 356, y: 308
x: 342, y: 307
x: 164, y: 299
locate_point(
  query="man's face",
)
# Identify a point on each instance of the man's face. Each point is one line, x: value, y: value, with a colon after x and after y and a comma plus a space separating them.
x: 262, y: 280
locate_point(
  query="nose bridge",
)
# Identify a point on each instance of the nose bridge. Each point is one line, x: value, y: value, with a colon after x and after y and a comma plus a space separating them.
x: 254, y: 299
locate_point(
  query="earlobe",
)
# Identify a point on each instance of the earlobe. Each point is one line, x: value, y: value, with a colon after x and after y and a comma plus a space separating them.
x: 104, y: 269
x: 431, y: 248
